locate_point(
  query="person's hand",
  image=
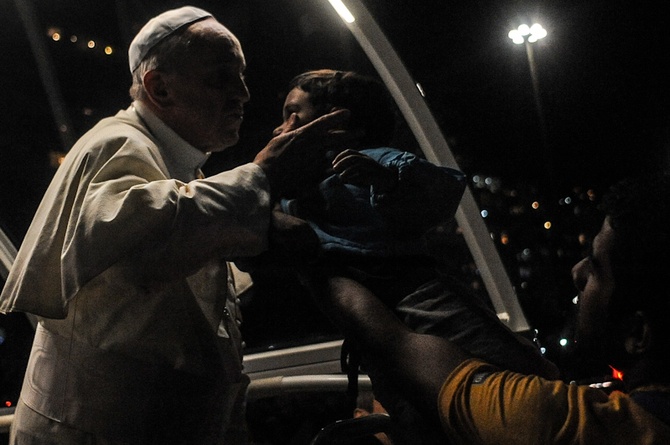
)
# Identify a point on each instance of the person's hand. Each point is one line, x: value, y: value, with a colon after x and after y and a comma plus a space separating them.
x: 297, y: 158
x: 361, y: 170
x: 292, y: 240
x: 293, y: 244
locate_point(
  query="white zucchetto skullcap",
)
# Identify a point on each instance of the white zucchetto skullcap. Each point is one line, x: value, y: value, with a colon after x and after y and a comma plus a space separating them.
x: 159, y: 28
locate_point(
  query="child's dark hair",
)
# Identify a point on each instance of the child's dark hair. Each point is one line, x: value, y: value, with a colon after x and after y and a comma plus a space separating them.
x: 372, y: 109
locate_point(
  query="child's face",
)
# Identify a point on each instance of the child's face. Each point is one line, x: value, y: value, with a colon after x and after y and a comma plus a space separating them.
x: 297, y: 102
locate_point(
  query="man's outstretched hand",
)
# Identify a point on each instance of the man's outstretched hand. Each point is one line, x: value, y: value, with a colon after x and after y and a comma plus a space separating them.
x: 297, y: 158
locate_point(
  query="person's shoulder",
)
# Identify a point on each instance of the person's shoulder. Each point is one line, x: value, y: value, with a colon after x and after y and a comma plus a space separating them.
x: 107, y: 138
x: 122, y: 127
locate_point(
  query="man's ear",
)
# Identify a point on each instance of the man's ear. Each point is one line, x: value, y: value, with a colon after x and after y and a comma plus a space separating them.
x: 157, y: 89
x: 639, y: 336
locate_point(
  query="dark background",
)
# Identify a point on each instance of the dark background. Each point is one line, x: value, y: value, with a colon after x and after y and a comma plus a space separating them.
x: 602, y: 73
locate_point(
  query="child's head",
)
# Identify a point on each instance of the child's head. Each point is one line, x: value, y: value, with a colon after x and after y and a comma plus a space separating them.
x: 315, y: 93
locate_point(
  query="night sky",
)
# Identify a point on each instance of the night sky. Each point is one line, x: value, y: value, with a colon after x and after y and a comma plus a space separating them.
x: 602, y: 73
x: 602, y: 80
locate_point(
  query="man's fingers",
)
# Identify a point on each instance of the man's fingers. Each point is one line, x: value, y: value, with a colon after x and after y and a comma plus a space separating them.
x: 328, y: 133
x: 333, y: 121
x: 291, y: 123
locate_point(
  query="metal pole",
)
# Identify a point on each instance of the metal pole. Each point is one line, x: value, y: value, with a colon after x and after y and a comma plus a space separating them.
x: 548, y: 159
x: 422, y: 122
x: 536, y: 88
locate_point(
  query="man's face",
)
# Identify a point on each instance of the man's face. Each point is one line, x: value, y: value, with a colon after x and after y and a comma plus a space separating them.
x: 209, y: 95
x: 297, y: 102
x: 594, y: 280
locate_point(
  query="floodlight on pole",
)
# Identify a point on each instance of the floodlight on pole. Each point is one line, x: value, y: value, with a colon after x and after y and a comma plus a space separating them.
x: 528, y: 35
x: 524, y: 33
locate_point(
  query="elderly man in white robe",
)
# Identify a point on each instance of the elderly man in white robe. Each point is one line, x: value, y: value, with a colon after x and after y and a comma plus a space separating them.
x: 125, y: 262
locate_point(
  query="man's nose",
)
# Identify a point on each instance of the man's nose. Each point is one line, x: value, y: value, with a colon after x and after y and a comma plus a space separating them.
x: 246, y: 95
x: 241, y: 91
x: 578, y: 275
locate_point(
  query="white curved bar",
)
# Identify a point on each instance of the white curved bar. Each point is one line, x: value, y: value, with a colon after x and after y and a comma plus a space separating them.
x: 408, y: 96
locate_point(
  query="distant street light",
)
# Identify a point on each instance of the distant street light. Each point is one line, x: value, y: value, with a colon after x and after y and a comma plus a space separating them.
x: 528, y: 35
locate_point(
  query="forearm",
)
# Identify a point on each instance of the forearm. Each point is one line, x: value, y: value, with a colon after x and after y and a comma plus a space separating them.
x: 362, y: 316
x: 153, y: 221
x: 419, y: 363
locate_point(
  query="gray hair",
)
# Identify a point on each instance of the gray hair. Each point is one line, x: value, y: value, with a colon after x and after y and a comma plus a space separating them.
x: 170, y: 55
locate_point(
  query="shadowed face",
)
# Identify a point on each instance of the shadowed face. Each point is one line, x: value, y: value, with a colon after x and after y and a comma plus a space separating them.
x: 297, y: 102
x: 209, y: 91
x: 594, y: 279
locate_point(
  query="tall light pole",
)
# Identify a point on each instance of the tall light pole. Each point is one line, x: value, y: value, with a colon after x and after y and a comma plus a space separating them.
x: 528, y: 35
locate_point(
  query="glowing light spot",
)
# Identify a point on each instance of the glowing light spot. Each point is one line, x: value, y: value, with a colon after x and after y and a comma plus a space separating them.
x: 575, y: 299
x: 91, y: 44
x: 53, y: 30
x: 55, y: 36
x: 420, y: 88
x: 73, y: 39
x: 108, y: 50
x: 56, y: 158
x: 616, y: 373
x: 535, y: 205
x: 547, y: 225
x: 531, y: 33
x: 484, y: 213
x: 342, y: 11
x: 563, y: 342
x: 8, y: 403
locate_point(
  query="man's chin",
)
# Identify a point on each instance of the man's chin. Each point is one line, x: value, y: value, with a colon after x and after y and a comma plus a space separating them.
x: 226, y: 142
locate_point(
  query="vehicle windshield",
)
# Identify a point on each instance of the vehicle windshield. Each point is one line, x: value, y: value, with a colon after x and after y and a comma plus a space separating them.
x: 540, y: 129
